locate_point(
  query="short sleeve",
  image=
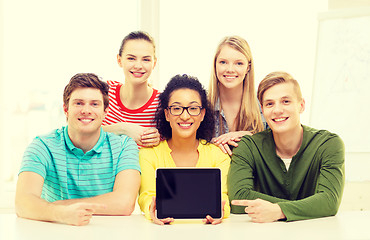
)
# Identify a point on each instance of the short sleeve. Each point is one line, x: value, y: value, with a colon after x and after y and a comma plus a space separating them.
x: 129, y: 155
x: 36, y: 158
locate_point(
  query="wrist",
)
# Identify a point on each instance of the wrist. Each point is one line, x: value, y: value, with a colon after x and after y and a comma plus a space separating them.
x: 281, y: 215
x: 56, y: 211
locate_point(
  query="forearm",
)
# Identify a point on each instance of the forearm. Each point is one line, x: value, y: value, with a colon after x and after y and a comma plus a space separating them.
x: 33, y: 207
x: 236, y: 193
x: 144, y: 201
x: 241, y: 184
x: 116, y: 128
x: 115, y: 203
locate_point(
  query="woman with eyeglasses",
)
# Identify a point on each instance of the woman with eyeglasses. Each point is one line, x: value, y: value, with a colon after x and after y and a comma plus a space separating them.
x: 186, y: 122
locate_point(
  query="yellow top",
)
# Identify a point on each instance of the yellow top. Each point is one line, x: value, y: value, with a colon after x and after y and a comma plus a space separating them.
x: 160, y: 156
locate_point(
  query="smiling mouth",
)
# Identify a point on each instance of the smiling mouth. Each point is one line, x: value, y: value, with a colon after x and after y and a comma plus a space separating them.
x: 138, y: 74
x: 228, y: 77
x: 185, y: 125
x: 86, y: 120
x: 282, y: 119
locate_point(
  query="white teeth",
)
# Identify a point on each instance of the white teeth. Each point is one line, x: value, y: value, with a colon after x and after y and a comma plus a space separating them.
x: 138, y: 74
x: 85, y: 120
x: 185, y: 124
x: 279, y: 119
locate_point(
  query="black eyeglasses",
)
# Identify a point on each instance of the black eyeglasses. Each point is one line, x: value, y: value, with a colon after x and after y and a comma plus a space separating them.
x: 178, y: 110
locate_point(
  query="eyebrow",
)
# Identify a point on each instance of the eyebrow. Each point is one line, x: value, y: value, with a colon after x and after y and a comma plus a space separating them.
x: 283, y: 97
x: 178, y: 103
x: 85, y: 100
x: 132, y: 55
x: 240, y: 59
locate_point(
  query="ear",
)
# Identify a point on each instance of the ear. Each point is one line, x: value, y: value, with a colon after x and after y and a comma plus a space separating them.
x: 65, y: 110
x: 119, y: 60
x: 106, y: 112
x: 302, y: 106
x: 166, y: 113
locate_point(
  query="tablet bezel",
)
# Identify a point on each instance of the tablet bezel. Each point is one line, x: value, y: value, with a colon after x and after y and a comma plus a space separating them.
x: 216, y: 213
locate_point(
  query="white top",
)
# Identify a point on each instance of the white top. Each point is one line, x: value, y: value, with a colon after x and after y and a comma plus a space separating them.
x: 287, y: 162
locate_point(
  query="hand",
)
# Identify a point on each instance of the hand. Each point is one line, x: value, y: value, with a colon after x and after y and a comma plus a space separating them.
x: 78, y: 214
x: 231, y: 138
x: 261, y: 211
x: 143, y: 136
x: 210, y: 220
x: 152, y: 209
x: 150, y: 137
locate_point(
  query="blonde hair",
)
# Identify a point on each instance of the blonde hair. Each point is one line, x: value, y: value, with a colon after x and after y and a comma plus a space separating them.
x: 274, y: 78
x: 249, y: 117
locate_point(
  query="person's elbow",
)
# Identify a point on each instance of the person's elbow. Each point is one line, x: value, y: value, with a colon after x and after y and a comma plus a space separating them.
x: 124, y: 208
x: 20, y: 205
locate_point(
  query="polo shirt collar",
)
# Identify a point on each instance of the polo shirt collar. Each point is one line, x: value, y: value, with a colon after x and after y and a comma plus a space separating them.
x: 97, y: 148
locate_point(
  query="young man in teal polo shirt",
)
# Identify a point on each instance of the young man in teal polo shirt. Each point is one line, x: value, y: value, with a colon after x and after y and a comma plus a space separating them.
x: 290, y: 171
x: 79, y: 170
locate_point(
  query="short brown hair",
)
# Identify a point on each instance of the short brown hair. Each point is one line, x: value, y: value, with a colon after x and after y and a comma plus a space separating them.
x: 276, y: 78
x: 86, y: 80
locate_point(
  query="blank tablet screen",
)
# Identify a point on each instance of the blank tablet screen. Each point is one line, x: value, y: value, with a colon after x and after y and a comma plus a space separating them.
x: 188, y: 192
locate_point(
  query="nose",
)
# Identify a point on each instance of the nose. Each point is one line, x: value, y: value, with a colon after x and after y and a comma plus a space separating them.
x: 86, y: 109
x: 138, y: 64
x: 185, y: 115
x: 278, y: 108
x: 230, y: 68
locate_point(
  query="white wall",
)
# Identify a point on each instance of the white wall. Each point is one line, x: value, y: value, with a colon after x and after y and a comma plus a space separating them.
x: 44, y: 44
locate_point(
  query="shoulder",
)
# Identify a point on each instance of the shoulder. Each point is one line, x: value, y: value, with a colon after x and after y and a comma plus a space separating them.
x: 155, y: 95
x: 119, y: 140
x: 113, y: 84
x: 210, y: 148
x: 258, y: 138
x: 51, y: 140
x: 160, y: 148
x: 312, y: 136
x: 323, y: 143
x: 156, y: 92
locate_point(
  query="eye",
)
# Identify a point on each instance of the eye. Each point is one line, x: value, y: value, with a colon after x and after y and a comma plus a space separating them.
x: 286, y: 101
x: 176, y: 108
x: 147, y: 60
x: 269, y: 104
x: 131, y: 58
x: 240, y: 63
x: 222, y: 62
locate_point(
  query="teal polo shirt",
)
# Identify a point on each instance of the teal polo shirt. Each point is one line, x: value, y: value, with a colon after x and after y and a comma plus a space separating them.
x: 70, y: 173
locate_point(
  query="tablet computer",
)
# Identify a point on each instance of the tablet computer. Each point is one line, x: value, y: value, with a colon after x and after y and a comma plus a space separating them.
x: 185, y: 193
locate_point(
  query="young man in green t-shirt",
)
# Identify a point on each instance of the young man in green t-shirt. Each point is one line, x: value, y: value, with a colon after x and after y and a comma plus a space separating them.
x: 289, y: 171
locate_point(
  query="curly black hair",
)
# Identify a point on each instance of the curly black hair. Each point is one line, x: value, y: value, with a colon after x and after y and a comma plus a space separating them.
x: 207, y: 126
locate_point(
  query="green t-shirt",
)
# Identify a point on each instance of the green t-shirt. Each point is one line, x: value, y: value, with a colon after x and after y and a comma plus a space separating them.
x: 311, y: 188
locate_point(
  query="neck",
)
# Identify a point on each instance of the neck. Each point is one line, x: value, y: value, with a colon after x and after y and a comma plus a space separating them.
x: 287, y: 144
x: 83, y: 141
x: 183, y: 145
x: 134, y: 96
x: 230, y: 95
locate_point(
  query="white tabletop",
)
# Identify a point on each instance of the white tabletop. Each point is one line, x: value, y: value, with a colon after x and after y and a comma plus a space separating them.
x: 346, y: 225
